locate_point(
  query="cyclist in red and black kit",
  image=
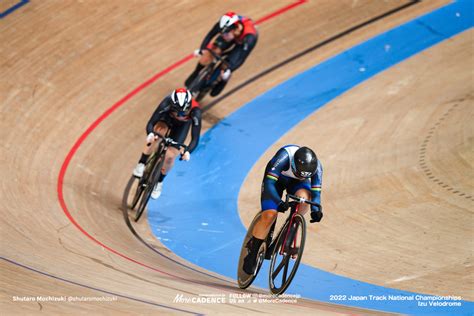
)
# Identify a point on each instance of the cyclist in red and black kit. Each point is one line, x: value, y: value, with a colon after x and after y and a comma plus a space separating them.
x: 177, y: 112
x: 236, y: 37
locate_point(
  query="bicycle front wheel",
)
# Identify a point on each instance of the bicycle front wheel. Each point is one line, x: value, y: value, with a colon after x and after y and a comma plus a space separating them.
x: 139, y: 189
x: 148, y: 187
x: 287, y: 254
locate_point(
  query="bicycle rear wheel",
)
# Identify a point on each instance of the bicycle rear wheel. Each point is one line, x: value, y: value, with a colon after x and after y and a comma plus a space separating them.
x: 287, y: 254
x: 245, y: 280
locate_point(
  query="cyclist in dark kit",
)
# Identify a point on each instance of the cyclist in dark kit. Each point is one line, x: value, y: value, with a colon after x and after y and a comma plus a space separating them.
x: 177, y: 112
x: 235, y: 36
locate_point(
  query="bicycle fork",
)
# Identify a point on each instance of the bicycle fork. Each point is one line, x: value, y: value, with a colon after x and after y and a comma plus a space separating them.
x: 290, y: 235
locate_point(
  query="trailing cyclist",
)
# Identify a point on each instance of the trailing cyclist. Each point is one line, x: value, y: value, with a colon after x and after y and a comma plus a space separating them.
x: 298, y: 171
x: 177, y: 113
x: 236, y: 37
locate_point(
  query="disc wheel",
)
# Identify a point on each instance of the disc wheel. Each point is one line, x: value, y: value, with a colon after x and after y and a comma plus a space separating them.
x: 243, y: 279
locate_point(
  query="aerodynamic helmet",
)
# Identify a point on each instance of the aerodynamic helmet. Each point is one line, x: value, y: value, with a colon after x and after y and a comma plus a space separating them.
x: 304, y: 163
x: 181, y: 100
x: 228, y: 22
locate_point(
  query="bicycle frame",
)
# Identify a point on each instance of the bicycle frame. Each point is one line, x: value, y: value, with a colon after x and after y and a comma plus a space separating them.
x: 208, y: 77
x: 163, y: 146
x: 271, y: 242
x: 157, y: 154
x: 294, y: 211
x: 278, y: 247
x: 152, y: 171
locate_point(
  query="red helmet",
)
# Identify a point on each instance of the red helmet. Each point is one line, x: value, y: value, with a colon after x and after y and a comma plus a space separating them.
x: 228, y: 21
x: 181, y: 100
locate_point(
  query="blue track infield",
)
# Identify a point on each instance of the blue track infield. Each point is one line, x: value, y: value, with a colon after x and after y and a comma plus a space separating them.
x: 202, y: 224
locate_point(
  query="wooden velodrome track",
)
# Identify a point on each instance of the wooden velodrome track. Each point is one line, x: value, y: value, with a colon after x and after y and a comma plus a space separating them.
x: 64, y: 64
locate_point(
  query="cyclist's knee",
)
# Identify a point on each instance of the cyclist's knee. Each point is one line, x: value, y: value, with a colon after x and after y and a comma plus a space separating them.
x: 217, y: 50
x: 206, y: 58
x: 305, y: 194
x: 147, y: 150
x: 171, y: 155
x: 268, y: 217
x: 161, y: 128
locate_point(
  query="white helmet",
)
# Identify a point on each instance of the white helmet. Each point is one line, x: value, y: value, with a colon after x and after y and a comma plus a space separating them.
x: 228, y: 21
x: 181, y: 101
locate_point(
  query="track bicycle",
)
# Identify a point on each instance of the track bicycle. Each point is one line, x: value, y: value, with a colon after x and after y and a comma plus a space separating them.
x: 284, y: 252
x: 151, y: 174
x: 208, y: 77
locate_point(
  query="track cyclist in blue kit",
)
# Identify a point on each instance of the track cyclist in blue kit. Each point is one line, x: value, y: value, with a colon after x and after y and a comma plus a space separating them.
x: 298, y: 171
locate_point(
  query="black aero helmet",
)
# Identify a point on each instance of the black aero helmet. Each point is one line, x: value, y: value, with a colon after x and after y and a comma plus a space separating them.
x: 304, y: 163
